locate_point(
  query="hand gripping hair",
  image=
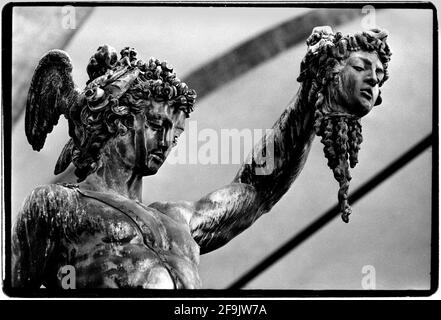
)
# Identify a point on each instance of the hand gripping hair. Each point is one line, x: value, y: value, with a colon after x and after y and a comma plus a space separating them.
x: 340, y: 131
x: 105, y: 108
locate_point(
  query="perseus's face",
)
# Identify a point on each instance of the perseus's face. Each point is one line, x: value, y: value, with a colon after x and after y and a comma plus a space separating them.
x: 162, y: 124
x: 358, y: 85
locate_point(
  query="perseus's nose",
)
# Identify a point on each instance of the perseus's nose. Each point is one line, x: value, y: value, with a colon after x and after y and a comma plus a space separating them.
x: 166, y: 139
x: 372, y: 78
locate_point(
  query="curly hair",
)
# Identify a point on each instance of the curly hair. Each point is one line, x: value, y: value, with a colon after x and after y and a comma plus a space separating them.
x: 340, y: 132
x: 115, y: 92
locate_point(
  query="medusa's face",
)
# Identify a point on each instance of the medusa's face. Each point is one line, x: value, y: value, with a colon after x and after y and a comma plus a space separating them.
x: 358, y: 86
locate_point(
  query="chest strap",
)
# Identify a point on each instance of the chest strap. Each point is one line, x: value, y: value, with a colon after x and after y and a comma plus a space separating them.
x: 147, y: 225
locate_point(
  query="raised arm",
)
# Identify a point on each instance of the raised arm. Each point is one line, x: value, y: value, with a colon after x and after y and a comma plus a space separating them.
x: 340, y: 79
x: 259, y: 184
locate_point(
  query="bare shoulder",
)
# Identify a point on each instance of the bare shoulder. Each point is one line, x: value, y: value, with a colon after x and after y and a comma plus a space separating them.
x: 53, y: 194
x: 180, y: 211
x: 51, y: 190
x: 45, y: 200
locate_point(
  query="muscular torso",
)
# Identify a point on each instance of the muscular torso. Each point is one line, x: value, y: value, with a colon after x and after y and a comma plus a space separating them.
x: 121, y: 244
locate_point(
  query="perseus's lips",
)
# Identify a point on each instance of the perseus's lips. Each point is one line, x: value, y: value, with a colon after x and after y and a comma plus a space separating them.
x: 158, y: 157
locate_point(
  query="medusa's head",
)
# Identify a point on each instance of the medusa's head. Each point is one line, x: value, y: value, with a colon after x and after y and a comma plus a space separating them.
x: 138, y: 106
x: 341, y: 77
x: 346, y: 70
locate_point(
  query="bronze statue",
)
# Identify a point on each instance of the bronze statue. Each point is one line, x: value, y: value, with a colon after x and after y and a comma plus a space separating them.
x: 123, y: 125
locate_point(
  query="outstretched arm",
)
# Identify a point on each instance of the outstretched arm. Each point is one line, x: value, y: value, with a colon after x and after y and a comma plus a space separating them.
x: 260, y: 183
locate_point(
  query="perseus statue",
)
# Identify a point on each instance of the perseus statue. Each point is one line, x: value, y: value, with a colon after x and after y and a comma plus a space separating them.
x: 122, y: 127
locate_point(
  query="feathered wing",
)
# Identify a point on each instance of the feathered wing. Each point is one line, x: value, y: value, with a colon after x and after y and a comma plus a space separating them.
x: 52, y: 93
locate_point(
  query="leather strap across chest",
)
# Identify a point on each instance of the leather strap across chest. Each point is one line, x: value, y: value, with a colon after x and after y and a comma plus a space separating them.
x: 146, y: 225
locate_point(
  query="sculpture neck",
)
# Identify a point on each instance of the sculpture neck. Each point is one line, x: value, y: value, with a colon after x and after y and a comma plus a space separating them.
x: 115, y: 173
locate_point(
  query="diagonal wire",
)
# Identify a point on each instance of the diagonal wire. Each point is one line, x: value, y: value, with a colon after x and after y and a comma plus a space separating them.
x: 263, y: 47
x: 333, y: 212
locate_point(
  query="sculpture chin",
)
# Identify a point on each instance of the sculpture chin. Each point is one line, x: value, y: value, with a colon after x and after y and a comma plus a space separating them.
x: 153, y: 164
x: 363, y: 106
x: 364, y: 101
x: 363, y: 110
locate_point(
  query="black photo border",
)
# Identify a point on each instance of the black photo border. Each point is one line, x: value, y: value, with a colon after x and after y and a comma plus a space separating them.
x: 206, y: 293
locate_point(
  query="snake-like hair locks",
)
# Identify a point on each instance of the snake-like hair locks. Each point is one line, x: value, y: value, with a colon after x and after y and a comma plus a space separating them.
x: 102, y: 117
x: 340, y: 134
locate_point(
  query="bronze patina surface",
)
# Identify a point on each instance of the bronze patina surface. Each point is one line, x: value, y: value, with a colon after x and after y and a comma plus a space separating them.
x: 122, y: 127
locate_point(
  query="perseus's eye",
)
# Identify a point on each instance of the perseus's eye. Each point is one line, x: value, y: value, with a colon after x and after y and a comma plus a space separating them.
x: 380, y: 74
x: 154, y: 125
x: 358, y: 68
